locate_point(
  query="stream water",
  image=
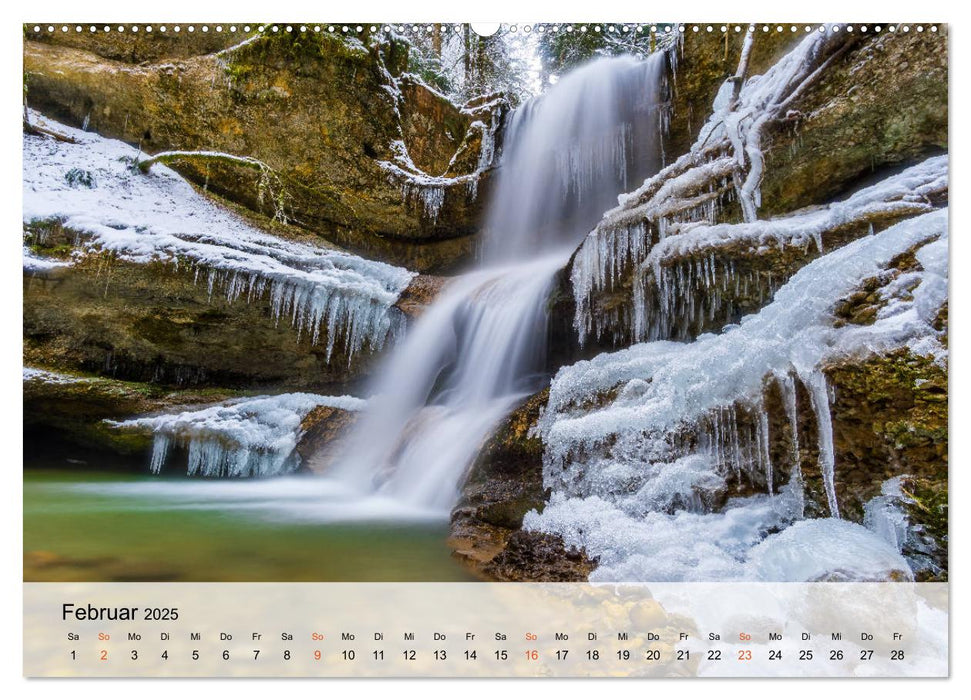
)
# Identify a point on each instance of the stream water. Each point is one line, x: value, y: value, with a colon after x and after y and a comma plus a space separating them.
x: 111, y: 526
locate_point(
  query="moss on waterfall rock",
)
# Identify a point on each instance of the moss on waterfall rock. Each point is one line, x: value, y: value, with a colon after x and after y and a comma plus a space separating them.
x: 890, y: 418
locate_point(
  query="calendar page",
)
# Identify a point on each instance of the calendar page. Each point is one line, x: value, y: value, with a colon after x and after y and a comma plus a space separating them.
x: 459, y: 350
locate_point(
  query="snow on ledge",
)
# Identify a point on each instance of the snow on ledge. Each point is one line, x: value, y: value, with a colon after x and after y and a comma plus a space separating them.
x: 159, y: 216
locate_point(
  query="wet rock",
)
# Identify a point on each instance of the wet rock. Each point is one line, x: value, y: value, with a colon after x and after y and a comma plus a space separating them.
x: 323, y: 432
x: 503, y: 484
x: 534, y: 556
x: 418, y: 295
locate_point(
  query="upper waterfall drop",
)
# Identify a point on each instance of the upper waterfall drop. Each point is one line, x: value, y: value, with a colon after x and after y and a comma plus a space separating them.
x: 481, y: 347
x: 570, y: 152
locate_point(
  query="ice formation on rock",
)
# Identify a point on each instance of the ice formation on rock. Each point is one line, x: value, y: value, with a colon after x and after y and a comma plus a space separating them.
x: 725, y: 162
x: 693, y: 414
x: 253, y: 437
x: 826, y: 549
x: 329, y: 294
x: 426, y: 193
x: 684, y: 279
x: 884, y: 515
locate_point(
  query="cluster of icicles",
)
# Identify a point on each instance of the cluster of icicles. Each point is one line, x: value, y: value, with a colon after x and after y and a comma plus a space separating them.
x: 693, y: 280
x: 255, y: 437
x: 426, y: 193
x: 639, y: 481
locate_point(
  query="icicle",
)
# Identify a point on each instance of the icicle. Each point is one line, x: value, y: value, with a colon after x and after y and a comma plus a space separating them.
x: 788, y: 385
x: 765, y: 457
x: 160, y: 452
x: 819, y: 393
x: 431, y: 197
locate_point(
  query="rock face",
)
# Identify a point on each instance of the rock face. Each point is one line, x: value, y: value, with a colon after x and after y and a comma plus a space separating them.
x: 371, y: 143
x: 323, y: 430
x: 419, y: 294
x: 881, y: 106
x: 156, y: 323
x: 504, y: 483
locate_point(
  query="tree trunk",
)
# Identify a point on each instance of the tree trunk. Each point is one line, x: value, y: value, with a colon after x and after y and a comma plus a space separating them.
x: 467, y: 55
x: 437, y: 39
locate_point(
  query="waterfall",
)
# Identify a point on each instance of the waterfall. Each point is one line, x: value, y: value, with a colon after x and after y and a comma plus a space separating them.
x: 480, y: 348
x: 569, y: 153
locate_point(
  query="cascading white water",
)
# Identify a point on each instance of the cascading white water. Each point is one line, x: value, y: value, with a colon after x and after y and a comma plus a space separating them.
x: 569, y: 153
x: 464, y: 365
x: 481, y: 346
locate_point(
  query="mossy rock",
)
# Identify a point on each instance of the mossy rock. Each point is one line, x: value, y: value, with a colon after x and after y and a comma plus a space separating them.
x: 506, y: 479
x: 881, y: 107
x: 890, y: 419
x: 926, y: 506
x: 332, y: 96
x: 157, y: 323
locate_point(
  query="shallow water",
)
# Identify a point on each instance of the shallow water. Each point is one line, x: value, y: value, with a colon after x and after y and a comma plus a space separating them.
x: 82, y: 525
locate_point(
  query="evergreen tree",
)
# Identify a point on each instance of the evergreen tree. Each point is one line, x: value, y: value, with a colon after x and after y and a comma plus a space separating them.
x: 562, y: 47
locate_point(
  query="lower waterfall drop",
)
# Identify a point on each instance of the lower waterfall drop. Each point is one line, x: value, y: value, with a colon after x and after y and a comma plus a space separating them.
x: 481, y: 346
